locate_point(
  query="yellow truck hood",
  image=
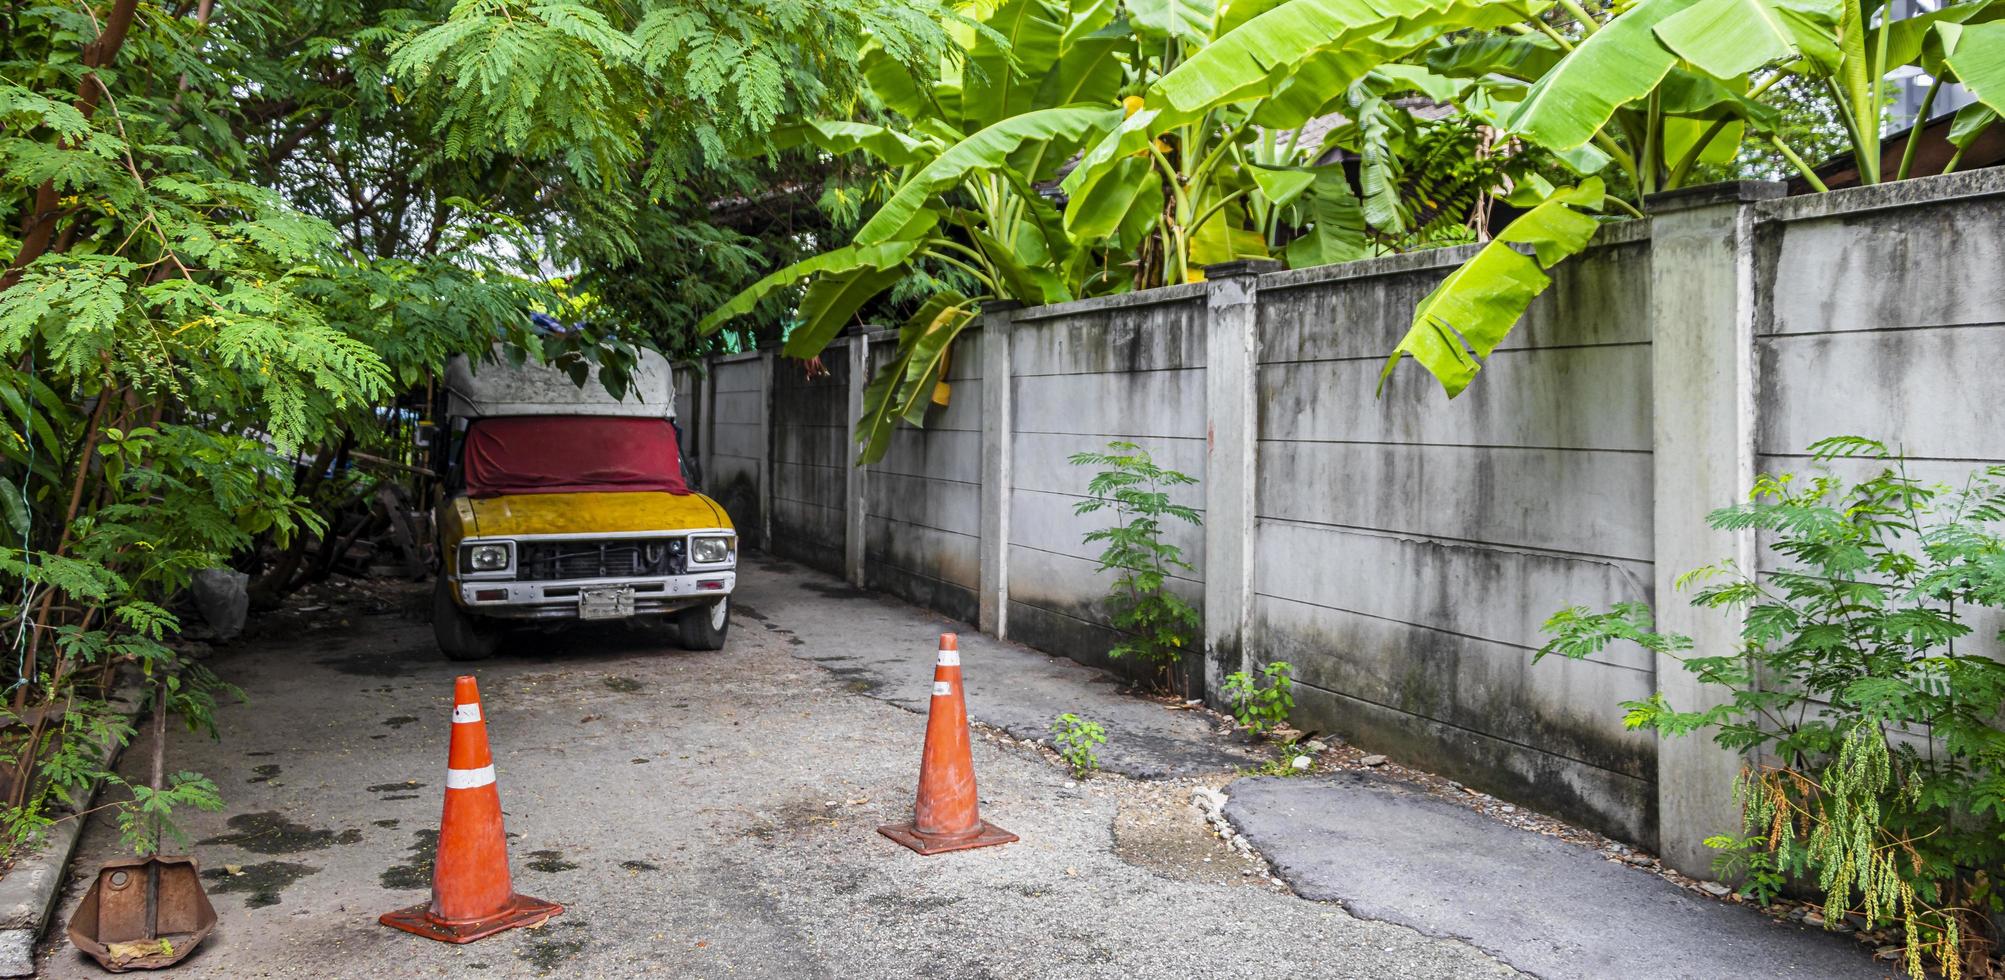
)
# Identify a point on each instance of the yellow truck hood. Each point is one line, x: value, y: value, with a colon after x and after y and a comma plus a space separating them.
x: 587, y: 513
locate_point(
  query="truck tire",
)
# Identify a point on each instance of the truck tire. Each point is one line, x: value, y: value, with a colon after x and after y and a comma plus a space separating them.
x: 461, y: 635
x: 703, y: 627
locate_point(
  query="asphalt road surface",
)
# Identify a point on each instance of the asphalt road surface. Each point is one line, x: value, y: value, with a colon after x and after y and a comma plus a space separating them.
x: 704, y: 815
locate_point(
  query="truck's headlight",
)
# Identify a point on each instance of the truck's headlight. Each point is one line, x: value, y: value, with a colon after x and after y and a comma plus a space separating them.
x: 483, y: 558
x: 710, y: 551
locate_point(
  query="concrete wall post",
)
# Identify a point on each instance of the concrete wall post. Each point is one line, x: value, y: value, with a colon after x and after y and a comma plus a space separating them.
x: 706, y: 420
x: 854, y: 505
x: 1232, y: 424
x: 1702, y: 309
x: 767, y: 363
x: 997, y: 423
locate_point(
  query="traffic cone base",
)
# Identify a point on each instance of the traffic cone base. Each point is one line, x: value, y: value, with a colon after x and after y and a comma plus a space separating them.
x: 521, y: 910
x: 985, y: 834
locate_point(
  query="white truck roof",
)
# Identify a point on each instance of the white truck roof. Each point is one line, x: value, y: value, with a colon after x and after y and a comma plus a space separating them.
x: 494, y: 387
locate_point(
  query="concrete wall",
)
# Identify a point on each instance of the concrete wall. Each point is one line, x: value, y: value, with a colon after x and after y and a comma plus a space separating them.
x: 922, y: 501
x: 734, y: 440
x: 1402, y: 549
x: 1083, y: 375
x: 809, y: 462
x: 1408, y: 546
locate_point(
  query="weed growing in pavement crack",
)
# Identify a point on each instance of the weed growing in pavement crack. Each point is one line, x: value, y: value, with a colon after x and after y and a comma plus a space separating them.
x: 1075, y: 738
x: 1262, y: 709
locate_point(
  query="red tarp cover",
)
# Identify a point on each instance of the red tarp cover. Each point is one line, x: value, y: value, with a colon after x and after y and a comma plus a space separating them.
x: 571, y: 454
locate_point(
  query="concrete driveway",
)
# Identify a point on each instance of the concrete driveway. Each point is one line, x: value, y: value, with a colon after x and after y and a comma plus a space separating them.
x: 700, y: 815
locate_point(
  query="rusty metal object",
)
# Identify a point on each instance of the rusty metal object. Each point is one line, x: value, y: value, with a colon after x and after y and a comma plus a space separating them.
x: 143, y: 914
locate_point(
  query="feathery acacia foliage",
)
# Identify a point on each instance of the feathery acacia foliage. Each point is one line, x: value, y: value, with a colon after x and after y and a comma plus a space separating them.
x: 1870, y: 721
x: 233, y: 234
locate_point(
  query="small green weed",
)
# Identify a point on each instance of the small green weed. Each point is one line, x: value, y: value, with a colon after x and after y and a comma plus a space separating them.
x: 1261, y: 709
x: 1076, y: 737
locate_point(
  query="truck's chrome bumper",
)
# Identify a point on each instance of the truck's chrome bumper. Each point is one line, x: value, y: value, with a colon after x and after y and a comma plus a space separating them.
x: 559, y: 600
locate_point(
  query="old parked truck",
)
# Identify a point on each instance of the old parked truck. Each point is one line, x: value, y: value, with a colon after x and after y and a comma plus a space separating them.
x: 564, y: 503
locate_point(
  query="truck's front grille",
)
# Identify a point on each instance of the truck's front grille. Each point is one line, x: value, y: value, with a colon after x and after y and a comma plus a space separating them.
x: 549, y: 561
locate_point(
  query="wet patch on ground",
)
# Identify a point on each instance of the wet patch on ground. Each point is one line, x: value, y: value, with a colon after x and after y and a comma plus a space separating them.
x: 748, y: 612
x: 549, y: 862
x: 260, y: 883
x: 416, y: 870
x: 264, y: 774
x: 623, y: 685
x: 390, y: 824
x: 834, y: 590
x: 269, y: 832
x: 403, y: 787
x: 399, y: 721
x: 562, y: 939
x: 855, y: 680
x: 371, y: 663
x: 636, y: 867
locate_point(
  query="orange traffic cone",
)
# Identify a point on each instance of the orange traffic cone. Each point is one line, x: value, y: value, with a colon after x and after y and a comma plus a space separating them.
x: 945, y: 818
x: 472, y: 896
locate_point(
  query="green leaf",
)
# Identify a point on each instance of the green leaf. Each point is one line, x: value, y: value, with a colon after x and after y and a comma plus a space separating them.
x: 907, y: 382
x: 1728, y: 38
x: 1281, y: 185
x: 831, y: 300
x: 1337, y: 224
x: 1971, y: 121
x: 1976, y: 52
x: 1099, y: 208
x: 840, y: 137
x: 1474, y: 309
x: 1525, y: 58
x: 1006, y: 67
x: 1089, y: 71
x: 1253, y: 59
x: 1618, y: 64
x: 986, y: 150
x: 849, y: 258
x: 1184, y: 20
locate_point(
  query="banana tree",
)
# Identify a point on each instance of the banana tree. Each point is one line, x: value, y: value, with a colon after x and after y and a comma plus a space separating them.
x: 1639, y: 94
x: 1039, y: 83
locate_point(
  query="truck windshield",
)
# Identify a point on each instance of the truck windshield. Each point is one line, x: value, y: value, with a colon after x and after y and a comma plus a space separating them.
x: 571, y: 454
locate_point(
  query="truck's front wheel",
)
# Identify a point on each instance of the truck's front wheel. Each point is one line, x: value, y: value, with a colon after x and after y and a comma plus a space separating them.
x: 461, y: 636
x: 703, y: 627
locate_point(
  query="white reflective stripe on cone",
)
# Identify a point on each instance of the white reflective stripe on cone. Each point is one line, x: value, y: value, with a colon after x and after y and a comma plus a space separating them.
x: 942, y: 689
x: 469, y: 778
x: 950, y: 658
x: 465, y: 713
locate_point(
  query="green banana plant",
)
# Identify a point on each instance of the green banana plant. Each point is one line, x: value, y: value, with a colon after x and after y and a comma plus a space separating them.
x: 975, y: 151
x: 1638, y: 94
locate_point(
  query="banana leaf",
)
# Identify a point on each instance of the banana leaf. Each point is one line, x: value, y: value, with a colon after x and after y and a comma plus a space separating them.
x: 1525, y: 58
x: 1976, y: 52
x: 839, y: 137
x: 1007, y: 66
x: 1457, y: 326
x: 988, y: 149
x: 1184, y: 20
x: 831, y: 300
x: 1728, y: 38
x: 848, y: 258
x: 1618, y: 64
x: 901, y: 389
x: 1337, y: 223
x: 1253, y: 59
x: 1099, y: 208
